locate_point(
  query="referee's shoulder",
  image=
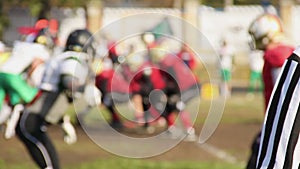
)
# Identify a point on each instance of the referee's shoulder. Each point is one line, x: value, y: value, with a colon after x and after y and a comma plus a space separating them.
x: 295, y: 55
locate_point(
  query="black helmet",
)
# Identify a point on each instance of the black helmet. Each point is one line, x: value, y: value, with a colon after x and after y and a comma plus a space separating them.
x: 81, y: 40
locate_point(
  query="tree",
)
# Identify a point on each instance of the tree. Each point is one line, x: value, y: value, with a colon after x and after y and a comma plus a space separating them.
x: 4, y: 22
x: 220, y: 3
x: 38, y: 8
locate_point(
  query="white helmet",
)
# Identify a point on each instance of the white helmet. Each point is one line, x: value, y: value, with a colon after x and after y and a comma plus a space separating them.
x: 265, y: 29
x: 148, y: 37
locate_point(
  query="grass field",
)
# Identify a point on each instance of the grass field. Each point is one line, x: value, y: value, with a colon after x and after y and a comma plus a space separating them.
x: 241, y: 120
x: 240, y: 114
x: 137, y: 164
x: 140, y: 164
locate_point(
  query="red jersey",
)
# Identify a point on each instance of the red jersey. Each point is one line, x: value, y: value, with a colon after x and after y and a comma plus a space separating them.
x: 274, y: 59
x: 112, y: 51
x: 147, y: 78
x: 110, y: 81
x: 188, y: 58
x: 112, y: 48
x: 179, y: 73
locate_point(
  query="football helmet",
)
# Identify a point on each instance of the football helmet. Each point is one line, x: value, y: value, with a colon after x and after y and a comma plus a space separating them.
x: 265, y: 29
x: 81, y: 40
x: 148, y: 38
x: 43, y: 37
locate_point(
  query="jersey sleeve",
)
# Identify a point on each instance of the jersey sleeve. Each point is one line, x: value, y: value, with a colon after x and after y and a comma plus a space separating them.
x: 75, y: 68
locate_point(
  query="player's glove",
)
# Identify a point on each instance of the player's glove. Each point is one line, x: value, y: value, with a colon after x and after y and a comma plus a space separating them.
x: 92, y: 95
x: 70, y: 136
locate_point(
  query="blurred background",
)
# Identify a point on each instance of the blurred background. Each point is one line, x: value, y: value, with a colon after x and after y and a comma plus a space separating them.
x: 216, y: 20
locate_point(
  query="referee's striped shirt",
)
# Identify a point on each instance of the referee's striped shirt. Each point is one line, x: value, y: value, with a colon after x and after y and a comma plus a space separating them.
x: 280, y: 144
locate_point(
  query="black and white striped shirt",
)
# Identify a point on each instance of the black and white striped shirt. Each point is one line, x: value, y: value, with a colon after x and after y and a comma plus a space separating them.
x: 280, y: 144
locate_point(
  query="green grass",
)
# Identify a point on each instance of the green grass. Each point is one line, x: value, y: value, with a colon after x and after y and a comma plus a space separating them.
x: 238, y: 110
x: 119, y: 163
x: 145, y: 164
x: 28, y: 165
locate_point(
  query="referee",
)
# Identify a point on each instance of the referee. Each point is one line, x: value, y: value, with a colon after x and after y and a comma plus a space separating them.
x: 280, y: 146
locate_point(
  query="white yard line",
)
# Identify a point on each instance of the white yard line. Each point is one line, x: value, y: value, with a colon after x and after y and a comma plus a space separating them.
x: 218, y: 153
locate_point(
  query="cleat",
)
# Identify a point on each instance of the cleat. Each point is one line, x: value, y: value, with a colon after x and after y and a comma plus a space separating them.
x: 190, y: 135
x: 150, y: 129
x: 117, y: 125
x: 173, y: 132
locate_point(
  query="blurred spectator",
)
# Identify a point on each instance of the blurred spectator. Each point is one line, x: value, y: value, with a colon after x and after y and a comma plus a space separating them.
x: 256, y: 63
x: 226, y: 53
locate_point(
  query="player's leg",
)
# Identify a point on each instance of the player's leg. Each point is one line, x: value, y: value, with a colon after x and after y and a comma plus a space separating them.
x: 5, y: 112
x: 226, y: 77
x: 20, y: 89
x: 115, y: 118
x: 137, y: 102
x: 107, y: 100
x: 170, y: 114
x: 5, y: 109
x: 252, y: 82
x: 13, y: 120
x: 2, y: 96
x: 31, y: 130
x: 19, y: 92
x: 146, y: 108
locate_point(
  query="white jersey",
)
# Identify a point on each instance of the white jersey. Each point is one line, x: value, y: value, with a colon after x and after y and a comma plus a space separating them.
x: 23, y: 55
x: 67, y: 63
x: 226, y: 53
x: 36, y: 76
x: 256, y: 60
